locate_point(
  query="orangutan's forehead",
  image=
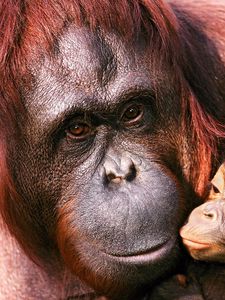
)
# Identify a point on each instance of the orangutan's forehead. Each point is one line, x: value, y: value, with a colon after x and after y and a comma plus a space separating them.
x: 102, y: 53
x: 84, y: 58
x: 89, y: 71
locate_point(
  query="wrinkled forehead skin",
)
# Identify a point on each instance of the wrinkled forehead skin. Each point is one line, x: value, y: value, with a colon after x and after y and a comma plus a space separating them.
x: 88, y: 71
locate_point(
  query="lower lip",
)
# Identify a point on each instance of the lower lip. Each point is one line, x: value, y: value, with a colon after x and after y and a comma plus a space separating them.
x: 195, y: 245
x: 152, y: 255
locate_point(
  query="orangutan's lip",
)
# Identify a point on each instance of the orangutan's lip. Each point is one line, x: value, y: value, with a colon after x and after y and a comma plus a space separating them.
x: 149, y: 255
x: 195, y: 245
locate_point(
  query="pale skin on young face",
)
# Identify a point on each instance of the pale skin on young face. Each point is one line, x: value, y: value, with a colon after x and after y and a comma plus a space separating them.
x: 204, y: 233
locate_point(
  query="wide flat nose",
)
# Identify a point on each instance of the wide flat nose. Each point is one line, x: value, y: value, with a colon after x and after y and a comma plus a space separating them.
x: 119, y: 168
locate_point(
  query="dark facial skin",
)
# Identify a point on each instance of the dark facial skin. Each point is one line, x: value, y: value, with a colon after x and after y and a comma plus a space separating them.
x: 106, y: 198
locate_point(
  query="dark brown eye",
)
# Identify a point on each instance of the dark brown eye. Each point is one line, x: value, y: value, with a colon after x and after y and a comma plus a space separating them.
x: 133, y: 115
x: 79, y: 131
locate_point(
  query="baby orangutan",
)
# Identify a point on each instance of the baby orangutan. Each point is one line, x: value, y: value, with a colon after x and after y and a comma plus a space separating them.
x: 204, y: 233
x: 204, y: 238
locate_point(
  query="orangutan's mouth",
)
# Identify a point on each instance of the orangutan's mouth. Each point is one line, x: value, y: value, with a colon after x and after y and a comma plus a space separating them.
x: 147, y: 256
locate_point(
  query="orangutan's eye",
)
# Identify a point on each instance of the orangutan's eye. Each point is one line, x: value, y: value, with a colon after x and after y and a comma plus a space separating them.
x: 133, y: 115
x: 79, y: 131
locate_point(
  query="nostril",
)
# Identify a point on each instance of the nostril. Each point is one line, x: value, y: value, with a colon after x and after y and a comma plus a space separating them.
x: 113, y: 178
x: 132, y: 174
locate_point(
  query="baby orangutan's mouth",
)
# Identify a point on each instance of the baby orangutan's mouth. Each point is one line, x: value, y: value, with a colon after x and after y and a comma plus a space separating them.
x: 195, y: 245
